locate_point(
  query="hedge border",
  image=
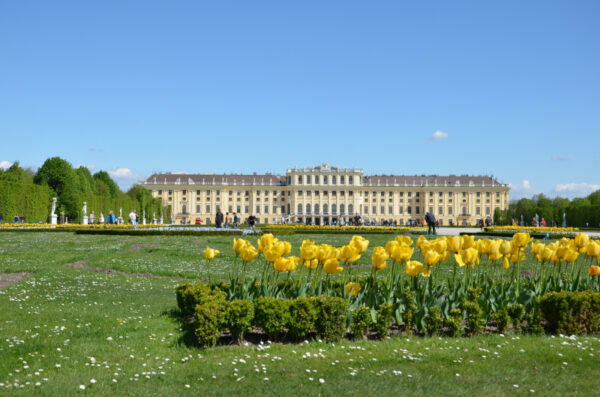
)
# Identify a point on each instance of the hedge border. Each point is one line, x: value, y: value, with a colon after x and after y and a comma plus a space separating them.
x: 140, y: 232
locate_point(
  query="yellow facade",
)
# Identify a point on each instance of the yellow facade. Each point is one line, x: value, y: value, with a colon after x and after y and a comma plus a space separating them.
x: 330, y: 195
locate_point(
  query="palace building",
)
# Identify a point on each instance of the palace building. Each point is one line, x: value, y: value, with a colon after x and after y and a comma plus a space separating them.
x: 324, y: 195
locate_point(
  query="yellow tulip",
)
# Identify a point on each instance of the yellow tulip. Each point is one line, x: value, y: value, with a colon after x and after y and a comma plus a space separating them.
x: 349, y: 254
x: 287, y: 247
x: 466, y: 257
x: 440, y: 245
x: 281, y: 264
x: 293, y: 263
x: 210, y: 253
x: 265, y: 241
x: 390, y: 246
x: 413, y: 268
x: 571, y: 256
x: 308, y: 250
x: 352, y: 287
x: 454, y: 244
x: 360, y: 243
x: 238, y: 244
x: 331, y: 266
x: 404, y: 240
x: 593, y: 249
x: 379, y: 258
x: 426, y: 271
x: 468, y: 242
x: 520, y: 240
x: 432, y: 258
x: 594, y: 270
x: 505, y: 262
x: 248, y: 253
x: 402, y: 253
x: 581, y: 240
x: 311, y: 263
x: 420, y: 241
x: 546, y: 254
x: 505, y: 247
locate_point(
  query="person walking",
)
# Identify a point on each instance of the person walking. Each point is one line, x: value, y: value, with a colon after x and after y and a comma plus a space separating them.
x: 219, y: 219
x: 132, y: 217
x: 226, y: 220
x: 252, y: 222
x: 1, y: 218
x: 430, y: 219
x: 236, y: 220
x: 101, y: 218
x: 111, y: 219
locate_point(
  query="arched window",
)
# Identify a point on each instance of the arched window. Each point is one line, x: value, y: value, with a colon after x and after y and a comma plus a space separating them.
x: 325, y: 209
x: 333, y: 209
x: 350, y: 209
x: 316, y: 209
x: 299, y: 209
x: 307, y: 209
x: 342, y: 209
x: 184, y: 209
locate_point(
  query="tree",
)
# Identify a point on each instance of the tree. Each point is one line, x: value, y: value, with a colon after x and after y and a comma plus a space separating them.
x: 112, y: 186
x: 594, y: 198
x: 56, y: 173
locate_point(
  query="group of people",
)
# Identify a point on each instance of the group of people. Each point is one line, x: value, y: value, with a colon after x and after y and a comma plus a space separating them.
x: 232, y: 220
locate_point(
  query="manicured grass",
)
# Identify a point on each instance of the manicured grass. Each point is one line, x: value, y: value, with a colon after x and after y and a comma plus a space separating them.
x: 63, y: 327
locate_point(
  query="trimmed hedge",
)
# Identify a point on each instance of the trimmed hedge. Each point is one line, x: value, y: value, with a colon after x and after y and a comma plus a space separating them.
x: 143, y: 232
x: 571, y: 312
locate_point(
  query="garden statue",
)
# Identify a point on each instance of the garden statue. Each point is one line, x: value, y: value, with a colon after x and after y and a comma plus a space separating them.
x: 154, y: 218
x: 84, y: 220
x: 161, y: 219
x: 144, y: 217
x: 522, y: 224
x: 53, y: 216
x: 564, y: 224
x: 120, y: 220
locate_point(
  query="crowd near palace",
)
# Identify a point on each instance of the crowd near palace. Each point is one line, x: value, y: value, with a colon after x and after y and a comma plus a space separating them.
x: 325, y: 195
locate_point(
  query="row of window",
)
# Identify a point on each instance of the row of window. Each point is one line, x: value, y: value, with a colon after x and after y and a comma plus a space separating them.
x: 325, y: 179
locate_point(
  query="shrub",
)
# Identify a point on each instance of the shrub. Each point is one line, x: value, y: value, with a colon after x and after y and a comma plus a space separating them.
x: 534, y: 322
x: 239, y: 318
x: 302, y: 317
x: 384, y: 320
x: 190, y: 295
x: 454, y: 322
x: 270, y: 315
x: 571, y: 312
x: 433, y: 320
x: 361, y: 321
x: 516, y: 312
x: 502, y: 319
x: 410, y: 307
x: 210, y: 316
x: 332, y: 314
x: 473, y: 311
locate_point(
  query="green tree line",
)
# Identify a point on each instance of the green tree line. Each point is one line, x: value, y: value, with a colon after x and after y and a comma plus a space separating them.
x: 29, y: 193
x: 579, y: 212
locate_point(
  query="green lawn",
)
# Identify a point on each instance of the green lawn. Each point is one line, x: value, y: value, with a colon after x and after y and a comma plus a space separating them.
x: 64, y: 327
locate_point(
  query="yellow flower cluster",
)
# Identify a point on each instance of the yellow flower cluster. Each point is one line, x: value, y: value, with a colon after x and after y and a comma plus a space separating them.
x: 531, y: 229
x: 568, y: 250
x: 344, y: 228
x: 78, y: 226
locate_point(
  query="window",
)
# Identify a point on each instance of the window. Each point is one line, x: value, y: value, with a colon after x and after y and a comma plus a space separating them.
x: 430, y: 201
x: 440, y: 194
x: 197, y: 198
x: 197, y: 209
x: 497, y: 194
x: 342, y: 208
x: 247, y: 193
x: 342, y: 193
x: 308, y: 192
x: 401, y: 210
x: 246, y: 209
x: 282, y: 209
x: 218, y: 192
x: 401, y: 194
x: 487, y: 194
x: 184, y: 192
x: 184, y: 209
x: 170, y: 192
x: 417, y: 210
x: 325, y: 180
x: 351, y: 180
x: 333, y: 180
x: 417, y: 194
x: 316, y: 192
x: 258, y: 209
x: 307, y: 209
x: 449, y: 194
x: 299, y: 179
x: 350, y: 209
x: 409, y: 210
x: 299, y: 209
x: 478, y: 210
x: 409, y: 194
x: 316, y: 209
x: 160, y: 192
x: 464, y: 194
x: 351, y: 193
x: 239, y: 209
x: 208, y: 208
x: 266, y: 209
x: 325, y: 192
x: 440, y: 210
x: 431, y: 209
x: 230, y: 208
x: 382, y: 212
x: 478, y: 194
x: 333, y: 209
x: 487, y: 210
x: 366, y: 210
x: 308, y: 179
x: 334, y: 193
x: 325, y: 209
x: 449, y: 210
x: 464, y: 211
x: 390, y: 210
x: 299, y: 192
x: 342, y: 180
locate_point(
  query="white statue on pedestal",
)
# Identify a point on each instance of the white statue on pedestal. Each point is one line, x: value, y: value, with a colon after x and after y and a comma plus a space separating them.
x: 120, y: 220
x: 154, y: 218
x: 144, y: 217
x: 161, y: 219
x: 84, y: 220
x: 53, y: 216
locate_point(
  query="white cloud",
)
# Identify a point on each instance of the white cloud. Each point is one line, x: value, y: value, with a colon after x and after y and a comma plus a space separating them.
x: 124, y: 177
x: 558, y: 158
x: 572, y: 190
x: 439, y: 134
x: 5, y: 164
x: 520, y: 190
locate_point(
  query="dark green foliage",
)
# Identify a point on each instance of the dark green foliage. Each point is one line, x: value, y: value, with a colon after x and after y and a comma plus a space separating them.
x: 433, y: 320
x: 384, y: 320
x: 473, y: 311
x: 103, y: 177
x: 534, y: 322
x: 454, y: 322
x: 239, y: 318
x: 151, y: 232
x: 571, y: 312
x: 271, y: 315
x: 516, y: 312
x: 332, y: 315
x: 502, y: 319
x: 302, y: 317
x: 408, y: 316
x: 361, y: 321
x: 210, y: 318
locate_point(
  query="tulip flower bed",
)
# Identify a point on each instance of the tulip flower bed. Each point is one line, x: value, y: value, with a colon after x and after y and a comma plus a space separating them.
x: 326, y: 229
x: 68, y: 330
x: 487, y: 290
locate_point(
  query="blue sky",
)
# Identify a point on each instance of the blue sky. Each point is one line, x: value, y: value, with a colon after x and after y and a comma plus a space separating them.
x: 134, y: 87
